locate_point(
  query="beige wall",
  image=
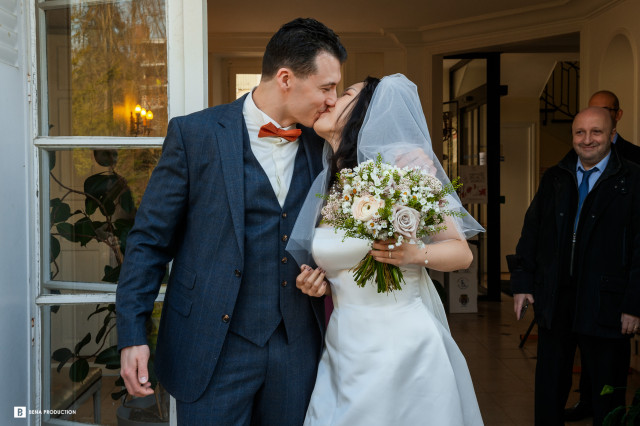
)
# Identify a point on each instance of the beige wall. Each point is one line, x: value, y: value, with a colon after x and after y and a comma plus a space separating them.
x: 609, y: 60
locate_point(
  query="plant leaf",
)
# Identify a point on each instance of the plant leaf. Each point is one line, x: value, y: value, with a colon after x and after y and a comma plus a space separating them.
x: 79, y: 370
x: 614, y: 417
x: 66, y: 230
x: 111, y: 275
x: 97, y: 311
x: 52, y: 159
x: 126, y: 201
x: 109, y: 356
x: 62, y: 355
x: 54, y: 249
x: 101, y: 332
x: 84, y: 230
x: 59, y: 211
x: 606, y: 390
x: 82, y: 343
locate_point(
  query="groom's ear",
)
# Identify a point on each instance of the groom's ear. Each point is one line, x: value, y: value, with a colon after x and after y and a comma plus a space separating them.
x: 284, y: 78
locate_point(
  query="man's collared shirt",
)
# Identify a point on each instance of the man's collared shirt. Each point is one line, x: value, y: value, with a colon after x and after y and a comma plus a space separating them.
x: 276, y: 155
x: 595, y: 175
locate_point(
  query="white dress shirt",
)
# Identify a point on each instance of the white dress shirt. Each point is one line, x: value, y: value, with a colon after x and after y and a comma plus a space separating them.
x: 276, y: 155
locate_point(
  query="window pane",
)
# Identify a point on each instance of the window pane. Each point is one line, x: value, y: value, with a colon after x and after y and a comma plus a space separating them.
x: 103, y: 60
x: 92, y: 201
x: 82, y: 365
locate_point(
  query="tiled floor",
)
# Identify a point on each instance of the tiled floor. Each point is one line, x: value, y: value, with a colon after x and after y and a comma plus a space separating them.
x: 503, y: 374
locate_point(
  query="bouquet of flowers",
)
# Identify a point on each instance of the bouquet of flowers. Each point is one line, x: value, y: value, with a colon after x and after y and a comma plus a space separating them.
x: 377, y: 201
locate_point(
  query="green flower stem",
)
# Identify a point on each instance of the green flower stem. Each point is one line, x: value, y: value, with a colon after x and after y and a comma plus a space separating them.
x: 387, y: 277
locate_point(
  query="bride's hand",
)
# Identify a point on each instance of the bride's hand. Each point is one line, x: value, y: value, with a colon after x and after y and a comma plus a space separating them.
x: 405, y: 254
x: 312, y: 282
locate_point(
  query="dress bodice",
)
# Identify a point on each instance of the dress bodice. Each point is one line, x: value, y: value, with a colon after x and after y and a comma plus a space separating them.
x: 337, y: 255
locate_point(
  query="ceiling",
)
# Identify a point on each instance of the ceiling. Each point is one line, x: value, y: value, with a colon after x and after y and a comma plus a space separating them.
x: 345, y: 16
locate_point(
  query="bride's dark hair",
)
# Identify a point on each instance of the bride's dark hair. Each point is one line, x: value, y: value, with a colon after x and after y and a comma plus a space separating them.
x: 347, y: 153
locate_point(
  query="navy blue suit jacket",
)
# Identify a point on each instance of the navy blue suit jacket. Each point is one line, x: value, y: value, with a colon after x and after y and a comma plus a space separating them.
x: 192, y: 213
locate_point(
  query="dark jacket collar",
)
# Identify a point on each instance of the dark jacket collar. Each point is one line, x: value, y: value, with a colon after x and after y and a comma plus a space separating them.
x: 568, y: 163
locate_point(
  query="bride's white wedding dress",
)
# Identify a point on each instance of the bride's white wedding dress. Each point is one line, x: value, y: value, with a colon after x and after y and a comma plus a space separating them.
x: 389, y: 359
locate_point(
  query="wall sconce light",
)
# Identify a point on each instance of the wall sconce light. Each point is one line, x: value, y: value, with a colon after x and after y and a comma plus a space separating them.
x: 140, y: 121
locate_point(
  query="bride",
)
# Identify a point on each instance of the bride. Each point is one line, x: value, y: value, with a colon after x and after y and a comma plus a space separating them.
x: 389, y: 359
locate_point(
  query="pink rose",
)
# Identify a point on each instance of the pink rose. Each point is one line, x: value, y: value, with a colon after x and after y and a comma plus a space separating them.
x: 364, y: 208
x: 405, y: 221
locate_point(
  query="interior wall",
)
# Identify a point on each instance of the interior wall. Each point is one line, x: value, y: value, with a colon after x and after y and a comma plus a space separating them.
x: 368, y: 54
x: 609, y: 60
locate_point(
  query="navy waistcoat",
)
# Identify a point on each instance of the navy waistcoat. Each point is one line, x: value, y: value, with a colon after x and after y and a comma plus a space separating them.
x: 268, y: 294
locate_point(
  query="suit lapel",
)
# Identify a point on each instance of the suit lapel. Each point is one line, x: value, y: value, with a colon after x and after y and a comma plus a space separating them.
x: 229, y: 135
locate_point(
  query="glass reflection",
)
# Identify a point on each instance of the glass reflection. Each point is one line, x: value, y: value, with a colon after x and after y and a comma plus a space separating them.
x: 103, y: 60
x: 81, y: 368
x: 93, y: 199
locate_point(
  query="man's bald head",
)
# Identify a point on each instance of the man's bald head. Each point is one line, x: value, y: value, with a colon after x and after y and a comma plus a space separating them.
x: 609, y: 101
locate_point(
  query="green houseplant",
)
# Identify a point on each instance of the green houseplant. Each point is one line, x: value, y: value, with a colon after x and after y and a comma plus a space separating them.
x: 106, y: 217
x: 623, y: 415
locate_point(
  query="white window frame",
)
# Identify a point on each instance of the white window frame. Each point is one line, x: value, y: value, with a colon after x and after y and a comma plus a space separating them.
x: 187, y: 92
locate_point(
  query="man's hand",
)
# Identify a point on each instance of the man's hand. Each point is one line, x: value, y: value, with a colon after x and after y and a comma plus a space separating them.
x: 630, y: 324
x: 312, y: 282
x: 518, y: 302
x: 134, y: 370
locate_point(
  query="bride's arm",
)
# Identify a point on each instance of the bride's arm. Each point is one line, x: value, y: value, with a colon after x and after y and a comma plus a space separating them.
x: 448, y: 252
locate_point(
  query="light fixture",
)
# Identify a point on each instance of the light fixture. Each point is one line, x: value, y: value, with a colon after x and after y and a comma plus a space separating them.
x: 140, y: 121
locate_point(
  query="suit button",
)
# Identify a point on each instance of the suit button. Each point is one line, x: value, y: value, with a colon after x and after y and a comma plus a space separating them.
x: 285, y: 237
x: 284, y: 260
x: 284, y: 215
x: 225, y: 318
x: 238, y: 273
x: 284, y: 283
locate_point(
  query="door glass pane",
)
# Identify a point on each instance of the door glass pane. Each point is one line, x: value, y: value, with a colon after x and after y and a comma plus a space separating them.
x: 106, y: 68
x: 82, y: 365
x: 92, y: 201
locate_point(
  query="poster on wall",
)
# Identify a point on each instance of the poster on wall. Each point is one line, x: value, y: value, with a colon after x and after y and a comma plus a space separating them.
x: 474, y: 179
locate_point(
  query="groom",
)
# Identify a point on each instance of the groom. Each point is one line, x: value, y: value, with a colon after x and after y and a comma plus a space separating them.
x: 238, y: 343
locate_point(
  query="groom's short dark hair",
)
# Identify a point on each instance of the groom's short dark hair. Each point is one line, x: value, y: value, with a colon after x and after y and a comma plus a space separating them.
x: 296, y: 45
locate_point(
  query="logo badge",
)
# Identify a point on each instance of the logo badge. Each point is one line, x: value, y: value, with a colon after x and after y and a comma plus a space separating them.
x: 19, y: 412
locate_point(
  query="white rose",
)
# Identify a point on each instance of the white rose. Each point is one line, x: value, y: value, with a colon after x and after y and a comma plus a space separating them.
x: 364, y: 207
x: 405, y: 221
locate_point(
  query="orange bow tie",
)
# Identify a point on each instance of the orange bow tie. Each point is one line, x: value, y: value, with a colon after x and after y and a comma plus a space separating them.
x: 270, y: 129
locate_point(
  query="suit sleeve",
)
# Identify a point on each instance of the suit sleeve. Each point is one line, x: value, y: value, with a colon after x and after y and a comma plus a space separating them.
x: 523, y: 267
x: 151, y: 242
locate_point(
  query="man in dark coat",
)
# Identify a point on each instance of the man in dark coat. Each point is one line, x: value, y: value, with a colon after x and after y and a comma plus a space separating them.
x: 609, y: 101
x: 578, y: 259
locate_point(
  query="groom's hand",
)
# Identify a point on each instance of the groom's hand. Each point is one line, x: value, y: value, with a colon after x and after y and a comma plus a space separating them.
x: 134, y: 370
x: 312, y: 281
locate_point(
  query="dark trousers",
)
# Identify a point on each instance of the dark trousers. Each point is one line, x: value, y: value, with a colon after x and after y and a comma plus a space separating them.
x: 253, y: 385
x: 585, y: 383
x: 606, y: 359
